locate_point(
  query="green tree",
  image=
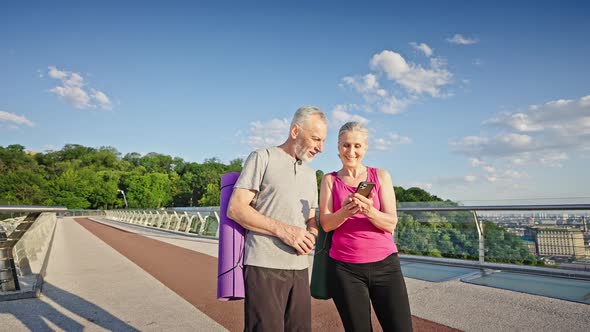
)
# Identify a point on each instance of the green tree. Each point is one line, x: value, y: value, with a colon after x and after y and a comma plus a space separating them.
x: 72, y: 187
x: 211, y: 196
x: 151, y: 190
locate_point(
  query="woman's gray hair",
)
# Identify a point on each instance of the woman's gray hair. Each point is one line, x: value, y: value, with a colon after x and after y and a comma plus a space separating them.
x: 304, y: 113
x: 353, y: 126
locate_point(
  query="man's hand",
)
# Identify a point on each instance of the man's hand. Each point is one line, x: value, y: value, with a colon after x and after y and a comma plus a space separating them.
x: 297, y: 238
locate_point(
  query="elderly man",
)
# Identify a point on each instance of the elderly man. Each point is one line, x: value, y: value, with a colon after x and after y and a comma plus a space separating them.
x: 275, y: 199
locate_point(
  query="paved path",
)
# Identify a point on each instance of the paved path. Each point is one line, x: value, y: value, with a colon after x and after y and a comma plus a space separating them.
x: 107, y: 275
x: 193, y: 276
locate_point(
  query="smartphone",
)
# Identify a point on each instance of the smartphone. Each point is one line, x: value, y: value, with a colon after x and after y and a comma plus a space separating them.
x: 364, y: 188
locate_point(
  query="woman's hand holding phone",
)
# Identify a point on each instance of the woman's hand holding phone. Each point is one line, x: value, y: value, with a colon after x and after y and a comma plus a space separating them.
x: 350, y: 206
x: 363, y: 197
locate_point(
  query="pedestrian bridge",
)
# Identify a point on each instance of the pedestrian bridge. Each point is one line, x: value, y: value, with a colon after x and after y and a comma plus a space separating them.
x: 127, y: 275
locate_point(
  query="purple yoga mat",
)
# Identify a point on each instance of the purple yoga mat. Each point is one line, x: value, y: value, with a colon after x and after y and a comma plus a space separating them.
x: 230, y: 266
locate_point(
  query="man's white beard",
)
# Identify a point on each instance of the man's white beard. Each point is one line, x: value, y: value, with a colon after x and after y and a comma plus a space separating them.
x: 301, y: 152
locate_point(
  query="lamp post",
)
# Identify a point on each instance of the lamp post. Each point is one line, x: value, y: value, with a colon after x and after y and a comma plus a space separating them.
x: 124, y: 198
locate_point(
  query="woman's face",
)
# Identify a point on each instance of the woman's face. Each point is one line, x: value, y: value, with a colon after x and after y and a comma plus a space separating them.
x: 352, y: 146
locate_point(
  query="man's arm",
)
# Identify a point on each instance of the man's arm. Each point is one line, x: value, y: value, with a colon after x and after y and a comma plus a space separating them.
x: 240, y: 211
x: 312, y: 225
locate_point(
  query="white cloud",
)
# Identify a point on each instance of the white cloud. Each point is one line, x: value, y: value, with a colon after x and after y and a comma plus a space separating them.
x: 72, y: 90
x: 391, y: 63
x: 459, y: 39
x: 387, y: 144
x: 270, y: 133
x: 553, y: 158
x: 13, y: 120
x: 412, y: 77
x: 381, y: 144
x: 422, y: 47
x: 520, y: 158
x: 395, y: 83
x: 489, y: 169
x: 454, y: 181
x: 374, y: 95
x: 470, y: 178
x: 392, y: 105
x: 56, y: 73
x: 501, y: 145
x: 102, y: 99
x: 518, y: 121
x: 540, y: 135
x: 341, y: 115
x: 364, y: 84
x: 74, y: 96
x: 398, y: 139
x: 475, y: 162
x: 510, y: 174
x: 492, y: 174
x: 558, y: 124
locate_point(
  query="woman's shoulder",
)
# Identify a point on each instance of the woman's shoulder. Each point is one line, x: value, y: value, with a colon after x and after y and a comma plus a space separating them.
x: 380, y: 173
x: 330, y: 176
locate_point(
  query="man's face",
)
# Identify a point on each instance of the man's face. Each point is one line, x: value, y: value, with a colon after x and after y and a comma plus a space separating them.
x: 310, y: 138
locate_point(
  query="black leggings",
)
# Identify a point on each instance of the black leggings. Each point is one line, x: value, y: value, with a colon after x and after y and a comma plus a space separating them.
x: 356, y: 286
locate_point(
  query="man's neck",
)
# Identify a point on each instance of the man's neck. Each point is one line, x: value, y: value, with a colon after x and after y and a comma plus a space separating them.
x: 289, y: 148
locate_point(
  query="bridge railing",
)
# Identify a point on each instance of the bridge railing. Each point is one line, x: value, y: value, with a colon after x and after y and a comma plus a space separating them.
x: 514, y: 234
x: 24, y: 244
x: 201, y: 220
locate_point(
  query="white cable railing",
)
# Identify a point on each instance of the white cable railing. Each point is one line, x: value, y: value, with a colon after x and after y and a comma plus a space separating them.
x: 200, y: 220
x: 467, y: 220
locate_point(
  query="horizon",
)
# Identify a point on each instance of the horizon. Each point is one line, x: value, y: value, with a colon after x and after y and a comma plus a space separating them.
x: 470, y: 102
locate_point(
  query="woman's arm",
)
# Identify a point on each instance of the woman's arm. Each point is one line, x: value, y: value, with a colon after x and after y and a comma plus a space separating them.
x: 386, y: 219
x: 329, y: 219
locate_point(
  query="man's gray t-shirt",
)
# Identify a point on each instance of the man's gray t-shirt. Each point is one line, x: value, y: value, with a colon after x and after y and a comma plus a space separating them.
x: 286, y: 191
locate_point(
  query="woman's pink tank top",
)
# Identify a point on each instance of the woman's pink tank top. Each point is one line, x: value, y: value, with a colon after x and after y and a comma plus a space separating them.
x: 357, y: 240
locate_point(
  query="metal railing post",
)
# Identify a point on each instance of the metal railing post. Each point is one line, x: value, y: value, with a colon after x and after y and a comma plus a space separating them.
x: 481, y: 238
x: 218, y: 223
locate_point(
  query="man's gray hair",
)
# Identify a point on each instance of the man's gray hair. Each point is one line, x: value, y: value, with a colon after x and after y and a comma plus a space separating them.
x: 353, y: 126
x: 304, y: 113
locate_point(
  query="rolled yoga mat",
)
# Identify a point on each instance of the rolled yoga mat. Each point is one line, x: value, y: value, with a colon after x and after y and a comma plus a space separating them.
x: 230, y: 265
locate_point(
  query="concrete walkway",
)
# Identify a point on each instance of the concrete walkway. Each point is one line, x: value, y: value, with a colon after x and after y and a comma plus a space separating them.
x: 106, y: 275
x: 457, y: 304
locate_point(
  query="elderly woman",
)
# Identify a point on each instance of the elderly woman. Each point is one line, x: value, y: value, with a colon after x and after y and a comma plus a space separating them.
x: 366, y: 268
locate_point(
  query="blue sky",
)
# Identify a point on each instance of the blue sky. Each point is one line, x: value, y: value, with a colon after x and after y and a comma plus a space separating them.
x: 473, y: 102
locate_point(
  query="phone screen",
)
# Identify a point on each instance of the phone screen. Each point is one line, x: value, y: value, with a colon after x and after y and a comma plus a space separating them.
x: 364, y: 188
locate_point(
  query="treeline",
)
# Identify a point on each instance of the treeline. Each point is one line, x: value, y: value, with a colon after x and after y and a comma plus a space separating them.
x: 80, y: 177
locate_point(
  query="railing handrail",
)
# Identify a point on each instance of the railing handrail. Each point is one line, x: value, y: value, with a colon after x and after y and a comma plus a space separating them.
x: 521, y: 207
x: 31, y: 208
